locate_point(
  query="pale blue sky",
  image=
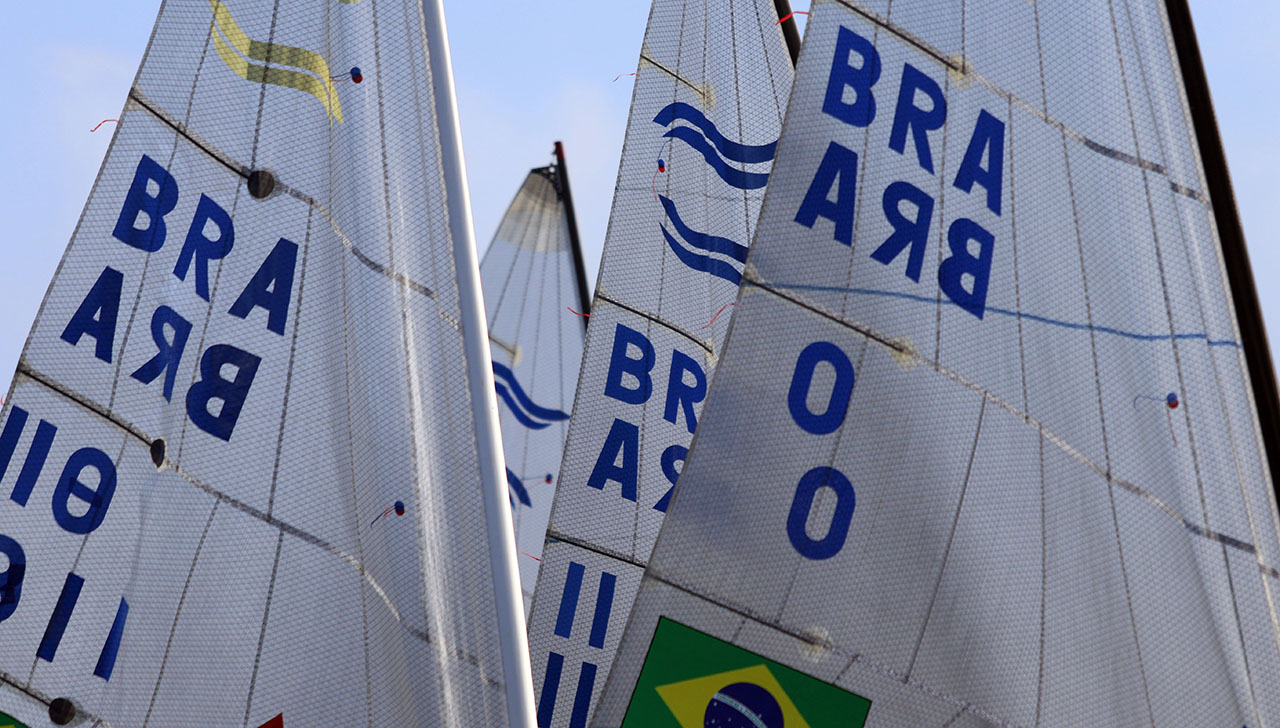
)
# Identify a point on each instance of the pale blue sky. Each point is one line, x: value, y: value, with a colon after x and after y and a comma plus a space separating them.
x: 528, y: 73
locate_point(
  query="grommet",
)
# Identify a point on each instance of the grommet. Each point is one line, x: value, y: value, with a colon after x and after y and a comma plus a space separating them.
x: 62, y: 711
x: 157, y: 451
x: 261, y: 183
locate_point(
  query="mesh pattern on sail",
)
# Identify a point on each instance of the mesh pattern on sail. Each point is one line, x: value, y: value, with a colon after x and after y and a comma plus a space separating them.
x: 1018, y: 528
x: 707, y: 108
x: 265, y: 566
x: 529, y: 283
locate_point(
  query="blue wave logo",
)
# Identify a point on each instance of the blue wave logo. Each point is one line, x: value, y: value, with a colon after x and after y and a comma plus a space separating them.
x: 522, y: 407
x: 704, y: 242
x: 715, y: 147
x: 517, y: 490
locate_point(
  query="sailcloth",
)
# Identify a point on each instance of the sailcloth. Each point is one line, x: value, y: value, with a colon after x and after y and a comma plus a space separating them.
x: 239, y: 465
x: 710, y: 88
x: 982, y: 448
x: 530, y: 280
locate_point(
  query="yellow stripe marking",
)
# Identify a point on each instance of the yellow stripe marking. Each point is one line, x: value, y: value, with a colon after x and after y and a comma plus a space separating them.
x: 238, y: 49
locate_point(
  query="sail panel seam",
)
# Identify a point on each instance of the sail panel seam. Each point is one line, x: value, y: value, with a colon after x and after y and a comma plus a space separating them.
x: 137, y: 96
x: 555, y: 536
x: 656, y: 319
x: 1045, y: 432
x: 701, y: 92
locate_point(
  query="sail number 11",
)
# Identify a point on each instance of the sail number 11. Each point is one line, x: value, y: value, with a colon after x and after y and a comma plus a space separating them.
x: 812, y: 483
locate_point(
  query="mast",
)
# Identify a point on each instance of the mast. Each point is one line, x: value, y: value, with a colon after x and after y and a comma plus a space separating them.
x: 484, y: 404
x: 1235, y: 254
x: 562, y: 180
x: 790, y: 32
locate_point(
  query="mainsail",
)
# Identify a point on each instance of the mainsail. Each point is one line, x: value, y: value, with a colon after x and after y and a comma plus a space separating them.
x: 245, y: 484
x: 983, y: 447
x: 533, y: 277
x: 710, y: 89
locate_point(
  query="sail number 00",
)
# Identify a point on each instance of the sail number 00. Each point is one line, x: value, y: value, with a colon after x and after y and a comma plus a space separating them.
x: 821, y: 423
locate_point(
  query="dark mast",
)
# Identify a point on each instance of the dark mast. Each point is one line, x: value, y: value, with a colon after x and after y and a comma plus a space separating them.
x: 790, y: 32
x: 562, y: 184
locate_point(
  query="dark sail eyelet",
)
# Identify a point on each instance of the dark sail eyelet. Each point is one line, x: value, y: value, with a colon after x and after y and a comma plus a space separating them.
x: 62, y: 711
x: 261, y: 183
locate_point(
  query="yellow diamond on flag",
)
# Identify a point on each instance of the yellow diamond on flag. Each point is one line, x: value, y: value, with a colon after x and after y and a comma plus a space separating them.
x: 748, y: 696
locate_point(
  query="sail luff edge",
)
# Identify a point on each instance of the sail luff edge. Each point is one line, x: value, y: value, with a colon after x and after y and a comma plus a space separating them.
x: 1235, y: 254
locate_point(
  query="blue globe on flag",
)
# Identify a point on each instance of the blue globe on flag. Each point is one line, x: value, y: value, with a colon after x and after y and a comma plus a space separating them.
x: 743, y: 705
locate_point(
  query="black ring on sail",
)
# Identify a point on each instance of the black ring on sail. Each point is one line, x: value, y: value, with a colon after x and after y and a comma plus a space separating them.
x: 1235, y: 255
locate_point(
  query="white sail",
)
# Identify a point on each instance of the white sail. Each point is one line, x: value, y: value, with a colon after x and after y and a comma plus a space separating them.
x: 710, y: 89
x: 244, y: 480
x: 531, y: 284
x: 982, y: 448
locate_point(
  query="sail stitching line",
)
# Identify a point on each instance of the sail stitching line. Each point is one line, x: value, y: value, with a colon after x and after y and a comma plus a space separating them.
x: 1040, y: 427
x: 137, y: 95
x: 262, y: 631
x: 645, y: 58
x: 26, y: 370
x: 555, y: 536
x: 854, y: 658
x: 1044, y: 497
x: 1090, y: 144
x: 951, y: 536
x: 1112, y: 331
x: 1026, y: 399
x: 177, y: 613
x: 654, y: 318
x: 272, y: 521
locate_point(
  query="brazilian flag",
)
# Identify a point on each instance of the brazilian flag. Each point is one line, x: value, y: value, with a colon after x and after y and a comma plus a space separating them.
x: 8, y: 721
x: 693, y: 680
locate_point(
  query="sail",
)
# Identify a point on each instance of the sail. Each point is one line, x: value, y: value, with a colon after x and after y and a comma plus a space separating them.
x: 707, y: 108
x: 531, y: 276
x: 982, y: 448
x: 242, y: 480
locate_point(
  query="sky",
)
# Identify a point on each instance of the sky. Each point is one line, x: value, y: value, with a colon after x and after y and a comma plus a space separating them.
x: 527, y: 74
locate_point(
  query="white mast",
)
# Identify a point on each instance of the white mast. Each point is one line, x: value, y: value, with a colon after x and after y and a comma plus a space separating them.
x: 484, y: 404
